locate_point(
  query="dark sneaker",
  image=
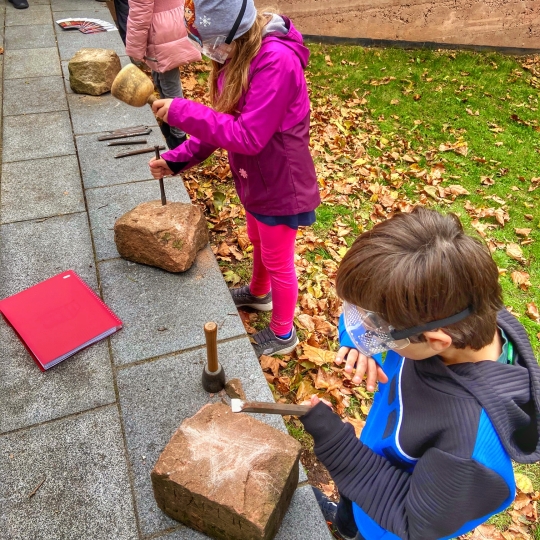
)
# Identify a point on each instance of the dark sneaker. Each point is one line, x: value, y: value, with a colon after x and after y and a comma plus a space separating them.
x: 19, y: 4
x: 267, y: 343
x: 329, y: 511
x: 243, y: 298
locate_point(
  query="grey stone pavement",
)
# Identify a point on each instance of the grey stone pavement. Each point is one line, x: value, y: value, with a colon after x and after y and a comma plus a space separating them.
x: 89, y: 431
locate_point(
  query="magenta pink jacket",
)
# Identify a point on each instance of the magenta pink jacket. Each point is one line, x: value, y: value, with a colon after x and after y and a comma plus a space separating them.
x: 157, y: 34
x: 268, y: 140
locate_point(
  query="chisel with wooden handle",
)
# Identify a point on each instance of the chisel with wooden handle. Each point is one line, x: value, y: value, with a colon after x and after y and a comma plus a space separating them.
x: 237, y: 405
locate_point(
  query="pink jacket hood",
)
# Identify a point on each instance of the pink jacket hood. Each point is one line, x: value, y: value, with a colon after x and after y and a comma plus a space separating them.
x: 156, y: 33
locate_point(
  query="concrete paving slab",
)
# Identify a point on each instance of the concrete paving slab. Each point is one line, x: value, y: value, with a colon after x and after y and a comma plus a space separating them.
x: 304, y: 519
x: 36, y: 250
x: 67, y: 9
x: 70, y: 42
x: 149, y: 300
x: 26, y: 63
x: 29, y: 396
x: 95, y: 114
x: 124, y: 61
x: 34, y: 14
x: 89, y: 6
x: 106, y: 205
x: 35, y: 95
x: 33, y: 136
x: 29, y: 37
x: 170, y: 390
x: 40, y: 188
x: 85, y: 493
x: 108, y: 170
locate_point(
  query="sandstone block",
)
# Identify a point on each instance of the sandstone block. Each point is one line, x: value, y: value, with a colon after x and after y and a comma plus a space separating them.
x: 227, y: 475
x: 168, y: 237
x: 92, y: 71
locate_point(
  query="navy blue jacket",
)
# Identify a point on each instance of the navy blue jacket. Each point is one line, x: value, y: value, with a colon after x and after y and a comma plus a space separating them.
x: 434, y: 458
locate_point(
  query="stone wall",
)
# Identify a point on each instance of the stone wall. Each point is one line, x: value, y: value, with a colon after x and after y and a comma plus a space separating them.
x: 496, y: 23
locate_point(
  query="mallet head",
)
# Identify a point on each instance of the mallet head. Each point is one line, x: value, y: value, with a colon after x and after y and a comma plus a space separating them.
x: 133, y: 86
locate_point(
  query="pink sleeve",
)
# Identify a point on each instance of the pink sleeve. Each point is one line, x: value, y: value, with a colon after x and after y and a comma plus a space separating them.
x: 141, y: 13
x: 192, y: 152
x: 265, y: 105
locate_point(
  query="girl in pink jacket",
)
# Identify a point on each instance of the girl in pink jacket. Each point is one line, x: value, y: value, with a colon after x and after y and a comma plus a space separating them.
x: 260, y: 115
x: 156, y: 34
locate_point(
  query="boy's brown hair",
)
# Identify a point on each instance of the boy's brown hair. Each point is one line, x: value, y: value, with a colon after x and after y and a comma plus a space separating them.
x: 419, y: 267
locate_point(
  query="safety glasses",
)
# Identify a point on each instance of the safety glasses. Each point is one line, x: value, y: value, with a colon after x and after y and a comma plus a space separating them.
x: 371, y: 334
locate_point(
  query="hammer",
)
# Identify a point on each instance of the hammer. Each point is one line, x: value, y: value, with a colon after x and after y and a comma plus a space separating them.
x: 213, y: 376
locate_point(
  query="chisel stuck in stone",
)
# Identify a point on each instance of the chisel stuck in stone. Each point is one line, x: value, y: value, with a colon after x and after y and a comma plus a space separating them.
x: 237, y: 405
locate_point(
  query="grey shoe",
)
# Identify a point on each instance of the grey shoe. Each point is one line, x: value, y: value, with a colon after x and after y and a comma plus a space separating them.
x: 243, y: 298
x: 266, y: 342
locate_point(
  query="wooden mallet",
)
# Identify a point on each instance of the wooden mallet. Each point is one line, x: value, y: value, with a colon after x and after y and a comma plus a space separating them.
x: 213, y: 376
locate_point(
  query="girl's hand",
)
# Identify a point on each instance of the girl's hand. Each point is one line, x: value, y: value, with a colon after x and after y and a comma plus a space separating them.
x: 159, y: 168
x: 160, y: 108
x: 364, y: 366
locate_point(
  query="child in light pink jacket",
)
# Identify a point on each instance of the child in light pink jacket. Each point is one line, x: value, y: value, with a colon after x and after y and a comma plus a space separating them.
x: 156, y: 34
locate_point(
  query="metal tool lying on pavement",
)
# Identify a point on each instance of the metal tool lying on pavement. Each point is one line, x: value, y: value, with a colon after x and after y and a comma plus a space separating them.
x: 126, y: 132
x: 121, y: 143
x: 237, y: 405
x: 140, y: 151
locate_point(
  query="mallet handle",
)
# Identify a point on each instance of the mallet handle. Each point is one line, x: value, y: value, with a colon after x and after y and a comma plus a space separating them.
x: 210, y: 333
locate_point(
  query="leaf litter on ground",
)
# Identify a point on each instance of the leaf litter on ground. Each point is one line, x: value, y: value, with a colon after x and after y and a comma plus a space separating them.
x: 375, y: 156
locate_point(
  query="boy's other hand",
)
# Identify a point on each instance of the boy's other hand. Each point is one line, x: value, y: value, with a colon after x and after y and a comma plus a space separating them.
x: 361, y: 365
x: 159, y: 168
x: 160, y: 108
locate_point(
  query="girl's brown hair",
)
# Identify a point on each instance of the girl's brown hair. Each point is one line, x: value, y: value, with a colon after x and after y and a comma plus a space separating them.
x: 420, y: 267
x: 236, y: 70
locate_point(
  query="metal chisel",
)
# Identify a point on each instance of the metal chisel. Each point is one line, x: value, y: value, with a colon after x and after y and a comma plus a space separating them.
x: 237, y: 405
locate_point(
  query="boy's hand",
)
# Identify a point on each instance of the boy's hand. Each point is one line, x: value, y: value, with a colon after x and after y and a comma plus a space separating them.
x: 159, y: 168
x: 314, y: 399
x: 364, y: 366
x: 160, y: 108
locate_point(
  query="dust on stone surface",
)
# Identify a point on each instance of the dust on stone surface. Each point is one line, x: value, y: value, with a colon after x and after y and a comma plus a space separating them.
x: 229, y: 455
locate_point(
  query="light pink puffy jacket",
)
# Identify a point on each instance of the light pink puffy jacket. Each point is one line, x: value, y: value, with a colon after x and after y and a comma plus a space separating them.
x: 157, y: 34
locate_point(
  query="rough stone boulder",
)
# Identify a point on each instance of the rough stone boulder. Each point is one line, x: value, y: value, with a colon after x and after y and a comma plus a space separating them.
x: 168, y: 237
x: 227, y: 475
x: 92, y: 71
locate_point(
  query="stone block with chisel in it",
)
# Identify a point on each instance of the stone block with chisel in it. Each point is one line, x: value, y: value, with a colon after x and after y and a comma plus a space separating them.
x: 167, y: 236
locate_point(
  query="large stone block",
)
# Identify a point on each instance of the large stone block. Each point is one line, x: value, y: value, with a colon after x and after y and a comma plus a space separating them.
x: 167, y: 236
x: 227, y: 475
x: 92, y: 71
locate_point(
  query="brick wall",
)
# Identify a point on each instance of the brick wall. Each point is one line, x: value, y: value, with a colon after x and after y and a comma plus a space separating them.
x: 499, y: 23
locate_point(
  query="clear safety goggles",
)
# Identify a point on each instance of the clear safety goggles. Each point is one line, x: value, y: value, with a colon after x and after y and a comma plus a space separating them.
x: 371, y: 334
x: 217, y: 49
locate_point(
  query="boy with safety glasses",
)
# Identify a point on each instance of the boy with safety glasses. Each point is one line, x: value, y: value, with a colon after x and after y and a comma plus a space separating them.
x: 459, y: 388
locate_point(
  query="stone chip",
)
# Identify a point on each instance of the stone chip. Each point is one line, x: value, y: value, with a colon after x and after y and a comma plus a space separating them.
x: 92, y: 71
x: 227, y: 475
x: 167, y: 236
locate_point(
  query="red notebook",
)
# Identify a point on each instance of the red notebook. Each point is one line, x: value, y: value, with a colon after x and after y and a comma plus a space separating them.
x: 58, y: 317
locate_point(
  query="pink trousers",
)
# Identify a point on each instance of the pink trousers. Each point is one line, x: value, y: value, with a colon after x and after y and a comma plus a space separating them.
x: 273, y: 269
